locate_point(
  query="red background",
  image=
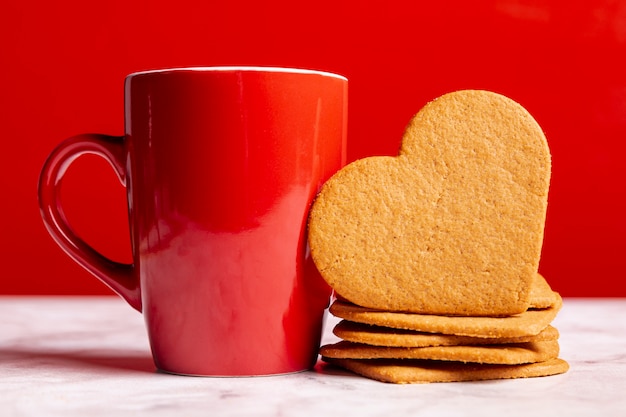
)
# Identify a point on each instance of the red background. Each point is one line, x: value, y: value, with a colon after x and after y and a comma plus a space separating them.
x: 63, y: 65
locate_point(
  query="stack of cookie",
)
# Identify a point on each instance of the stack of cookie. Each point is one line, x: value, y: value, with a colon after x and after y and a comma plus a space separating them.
x: 434, y: 253
x: 410, y: 348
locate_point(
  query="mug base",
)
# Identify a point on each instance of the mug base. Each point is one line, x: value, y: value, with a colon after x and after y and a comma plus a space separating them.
x: 200, y: 375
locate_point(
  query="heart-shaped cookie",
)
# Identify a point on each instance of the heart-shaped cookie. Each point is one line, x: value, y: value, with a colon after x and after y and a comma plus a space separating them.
x: 453, y: 225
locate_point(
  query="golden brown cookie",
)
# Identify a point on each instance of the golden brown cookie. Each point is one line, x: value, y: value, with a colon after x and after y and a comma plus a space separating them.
x: 402, y: 371
x: 508, y: 354
x: 541, y: 295
x: 386, y: 336
x: 528, y: 323
x: 451, y: 226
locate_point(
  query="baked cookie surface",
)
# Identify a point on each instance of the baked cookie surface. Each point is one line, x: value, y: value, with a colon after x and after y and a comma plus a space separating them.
x: 529, y: 323
x: 453, y: 225
x: 503, y: 354
x: 402, y: 371
x: 387, y: 336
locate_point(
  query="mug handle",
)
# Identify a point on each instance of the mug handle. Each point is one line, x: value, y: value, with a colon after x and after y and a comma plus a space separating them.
x: 120, y: 277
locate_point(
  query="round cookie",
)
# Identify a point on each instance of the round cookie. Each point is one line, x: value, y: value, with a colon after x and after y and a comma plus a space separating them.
x: 453, y: 225
x: 510, y: 354
x: 402, y: 371
x: 528, y: 323
x: 541, y: 294
x: 388, y: 336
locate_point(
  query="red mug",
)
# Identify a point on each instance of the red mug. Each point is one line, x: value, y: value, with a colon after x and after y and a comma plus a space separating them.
x: 221, y: 165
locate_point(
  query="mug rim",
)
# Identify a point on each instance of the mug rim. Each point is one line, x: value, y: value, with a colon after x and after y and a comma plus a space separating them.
x: 234, y: 68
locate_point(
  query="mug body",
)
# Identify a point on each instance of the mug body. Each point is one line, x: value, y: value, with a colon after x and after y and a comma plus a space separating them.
x: 222, y: 166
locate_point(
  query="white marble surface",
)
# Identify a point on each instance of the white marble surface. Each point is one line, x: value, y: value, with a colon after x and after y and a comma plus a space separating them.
x: 89, y: 356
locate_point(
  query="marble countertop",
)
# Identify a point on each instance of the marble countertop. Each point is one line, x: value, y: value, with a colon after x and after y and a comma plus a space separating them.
x: 89, y: 356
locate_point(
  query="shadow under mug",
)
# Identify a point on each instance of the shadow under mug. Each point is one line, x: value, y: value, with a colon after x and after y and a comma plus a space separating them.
x: 221, y: 165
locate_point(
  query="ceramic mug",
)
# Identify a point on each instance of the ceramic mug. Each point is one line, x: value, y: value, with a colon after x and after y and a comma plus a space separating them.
x: 221, y: 165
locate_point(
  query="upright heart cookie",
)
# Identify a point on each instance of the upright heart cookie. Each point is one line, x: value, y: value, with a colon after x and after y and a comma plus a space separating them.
x: 453, y: 225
